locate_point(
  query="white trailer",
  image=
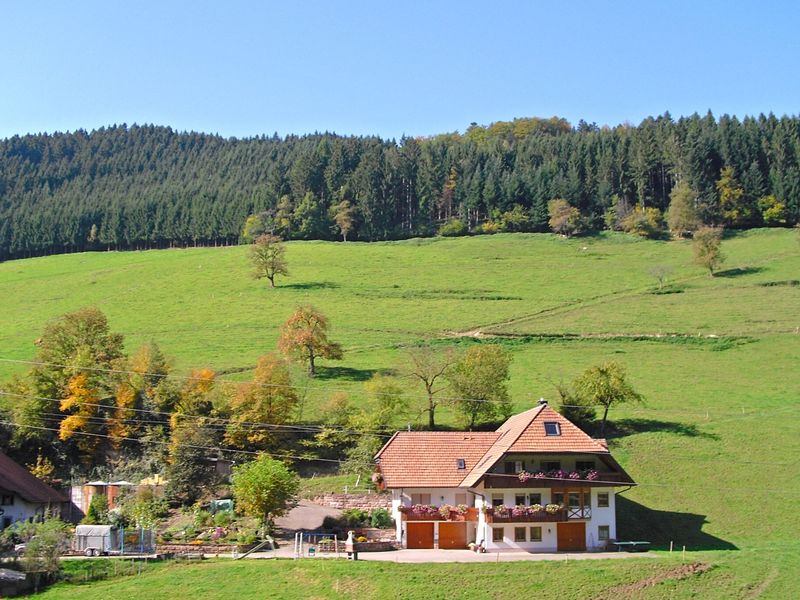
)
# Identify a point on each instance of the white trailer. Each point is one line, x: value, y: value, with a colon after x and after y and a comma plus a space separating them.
x: 94, y: 540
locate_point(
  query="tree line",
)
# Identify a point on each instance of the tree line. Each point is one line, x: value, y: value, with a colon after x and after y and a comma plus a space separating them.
x: 143, y: 187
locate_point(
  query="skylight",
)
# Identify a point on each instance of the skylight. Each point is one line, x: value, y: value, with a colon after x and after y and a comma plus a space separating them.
x: 552, y: 428
x: 461, y: 463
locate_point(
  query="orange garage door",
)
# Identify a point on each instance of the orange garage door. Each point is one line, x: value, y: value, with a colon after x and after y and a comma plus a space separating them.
x: 452, y: 536
x: 419, y: 535
x: 572, y: 536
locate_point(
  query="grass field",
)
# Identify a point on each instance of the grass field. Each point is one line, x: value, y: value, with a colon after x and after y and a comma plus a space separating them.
x: 715, y: 448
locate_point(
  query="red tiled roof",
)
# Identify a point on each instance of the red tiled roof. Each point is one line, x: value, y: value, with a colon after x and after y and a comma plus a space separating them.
x: 428, y: 458
x: 17, y: 479
x: 572, y: 439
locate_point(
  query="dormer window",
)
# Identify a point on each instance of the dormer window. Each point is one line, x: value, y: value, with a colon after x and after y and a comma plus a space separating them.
x: 552, y: 428
x: 461, y: 463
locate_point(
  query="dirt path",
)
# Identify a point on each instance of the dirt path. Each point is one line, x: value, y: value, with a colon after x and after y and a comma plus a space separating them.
x: 677, y: 573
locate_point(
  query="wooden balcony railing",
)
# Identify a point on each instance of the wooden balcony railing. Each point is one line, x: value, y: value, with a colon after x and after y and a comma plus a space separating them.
x: 543, y: 516
x: 498, y: 481
x: 471, y: 514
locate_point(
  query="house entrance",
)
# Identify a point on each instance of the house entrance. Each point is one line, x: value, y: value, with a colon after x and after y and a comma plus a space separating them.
x: 571, y: 536
x: 452, y: 536
x: 419, y: 535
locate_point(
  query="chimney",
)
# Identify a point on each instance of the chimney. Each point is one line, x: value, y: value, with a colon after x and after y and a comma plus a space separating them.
x: 542, y: 402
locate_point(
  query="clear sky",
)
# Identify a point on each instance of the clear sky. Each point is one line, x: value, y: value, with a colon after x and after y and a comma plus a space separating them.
x: 388, y: 67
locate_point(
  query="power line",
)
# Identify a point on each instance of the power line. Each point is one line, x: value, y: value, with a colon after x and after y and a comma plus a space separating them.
x: 303, y: 428
x: 164, y: 443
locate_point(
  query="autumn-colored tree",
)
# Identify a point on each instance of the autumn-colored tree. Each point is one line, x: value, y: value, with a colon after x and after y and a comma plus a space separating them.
x: 268, y: 255
x: 343, y: 217
x: 737, y: 208
x: 269, y: 398
x: 85, y: 418
x: 682, y: 216
x: 304, y: 337
x: 564, y: 219
x: 430, y: 368
x: 707, y: 252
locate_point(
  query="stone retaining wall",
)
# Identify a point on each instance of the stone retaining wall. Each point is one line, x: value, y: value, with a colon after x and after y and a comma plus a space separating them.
x: 362, y: 501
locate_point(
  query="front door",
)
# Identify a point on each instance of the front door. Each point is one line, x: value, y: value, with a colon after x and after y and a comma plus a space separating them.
x: 419, y: 535
x: 452, y: 536
x: 571, y: 536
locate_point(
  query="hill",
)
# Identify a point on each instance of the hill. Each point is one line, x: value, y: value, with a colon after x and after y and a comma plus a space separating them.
x: 714, y: 448
x: 151, y: 187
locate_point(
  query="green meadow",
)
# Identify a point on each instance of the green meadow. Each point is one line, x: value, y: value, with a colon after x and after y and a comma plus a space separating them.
x: 715, y: 447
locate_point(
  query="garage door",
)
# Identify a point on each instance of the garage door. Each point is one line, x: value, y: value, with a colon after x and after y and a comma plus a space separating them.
x: 452, y: 536
x: 572, y: 536
x: 419, y: 535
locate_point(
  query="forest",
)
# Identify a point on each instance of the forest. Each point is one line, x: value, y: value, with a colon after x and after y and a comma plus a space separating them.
x: 139, y: 187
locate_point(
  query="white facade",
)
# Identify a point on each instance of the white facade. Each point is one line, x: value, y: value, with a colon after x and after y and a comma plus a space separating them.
x: 15, y: 508
x: 482, y: 531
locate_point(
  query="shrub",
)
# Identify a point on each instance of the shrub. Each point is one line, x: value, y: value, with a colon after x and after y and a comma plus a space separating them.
x: 645, y: 222
x: 380, y: 518
x: 223, y: 518
x: 355, y: 517
x: 97, y: 513
x: 453, y: 228
x: 490, y: 227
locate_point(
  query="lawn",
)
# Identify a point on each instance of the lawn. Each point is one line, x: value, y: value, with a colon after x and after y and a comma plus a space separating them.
x: 714, y: 447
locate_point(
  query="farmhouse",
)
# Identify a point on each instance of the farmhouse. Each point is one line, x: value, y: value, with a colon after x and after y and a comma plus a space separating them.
x: 23, y: 497
x: 538, y: 484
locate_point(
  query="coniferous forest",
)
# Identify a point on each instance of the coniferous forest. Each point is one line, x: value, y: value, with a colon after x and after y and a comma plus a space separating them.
x: 144, y: 187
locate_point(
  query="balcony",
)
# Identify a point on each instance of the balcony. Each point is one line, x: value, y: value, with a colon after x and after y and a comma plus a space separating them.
x: 423, y: 512
x: 553, y: 513
x: 498, y: 481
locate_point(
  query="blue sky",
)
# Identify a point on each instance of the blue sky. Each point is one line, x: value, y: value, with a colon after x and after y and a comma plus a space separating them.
x: 388, y: 68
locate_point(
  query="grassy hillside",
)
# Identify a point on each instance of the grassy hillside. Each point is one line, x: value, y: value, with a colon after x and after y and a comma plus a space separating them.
x: 714, y: 448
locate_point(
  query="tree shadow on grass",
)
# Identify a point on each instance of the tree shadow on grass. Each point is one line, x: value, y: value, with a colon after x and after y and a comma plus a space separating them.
x: 659, y: 527
x: 625, y: 427
x: 345, y: 373
x: 738, y: 271
x: 311, y: 285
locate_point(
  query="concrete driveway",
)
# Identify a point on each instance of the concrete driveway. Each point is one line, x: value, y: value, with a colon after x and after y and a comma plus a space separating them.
x: 306, y: 516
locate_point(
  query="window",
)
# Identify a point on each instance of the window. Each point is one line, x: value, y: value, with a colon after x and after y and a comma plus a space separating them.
x: 603, y: 533
x: 552, y: 465
x: 461, y: 464
x: 519, y: 534
x: 498, y: 499
x: 602, y: 499
x: 536, y: 499
x: 536, y: 534
x: 497, y: 534
x: 509, y: 468
x: 584, y: 465
x: 7, y: 500
x: 519, y: 500
x: 552, y: 428
x: 461, y: 499
x: 420, y: 498
x: 513, y: 467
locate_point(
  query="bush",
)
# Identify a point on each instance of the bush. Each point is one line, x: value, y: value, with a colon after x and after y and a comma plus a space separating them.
x: 354, y: 517
x: 223, y: 518
x: 97, y: 513
x: 645, y: 222
x: 490, y: 227
x: 453, y: 228
x: 380, y: 518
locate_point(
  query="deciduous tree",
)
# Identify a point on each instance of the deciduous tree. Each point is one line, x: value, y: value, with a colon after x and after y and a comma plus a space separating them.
x: 268, y: 255
x: 478, y: 383
x: 564, y: 219
x: 430, y: 368
x: 304, y: 337
x: 269, y: 398
x: 707, y: 248
x: 605, y: 385
x: 343, y: 214
x: 682, y: 217
x: 263, y: 488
